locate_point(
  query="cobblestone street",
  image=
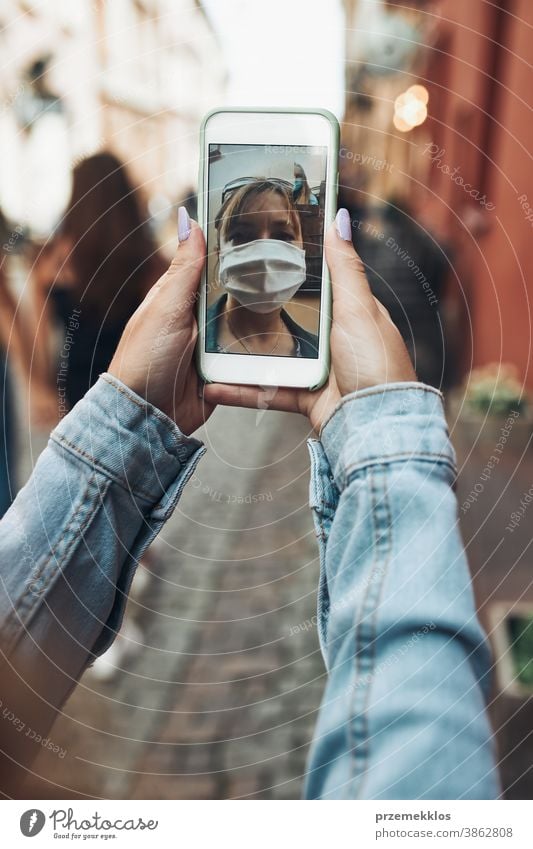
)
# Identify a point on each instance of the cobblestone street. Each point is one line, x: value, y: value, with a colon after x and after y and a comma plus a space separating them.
x: 221, y: 700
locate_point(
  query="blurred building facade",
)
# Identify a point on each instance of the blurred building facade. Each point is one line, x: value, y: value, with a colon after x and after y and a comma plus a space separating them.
x: 466, y: 172
x: 132, y: 76
x: 480, y: 80
x: 381, y: 175
x: 386, y: 53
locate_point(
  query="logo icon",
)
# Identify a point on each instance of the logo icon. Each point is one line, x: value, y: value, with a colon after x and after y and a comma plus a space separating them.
x: 265, y: 398
x: 32, y: 822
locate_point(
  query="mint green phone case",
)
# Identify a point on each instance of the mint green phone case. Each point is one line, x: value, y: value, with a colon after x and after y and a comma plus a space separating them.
x: 329, y: 215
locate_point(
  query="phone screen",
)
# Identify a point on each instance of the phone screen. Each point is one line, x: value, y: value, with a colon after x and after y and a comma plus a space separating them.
x: 265, y: 239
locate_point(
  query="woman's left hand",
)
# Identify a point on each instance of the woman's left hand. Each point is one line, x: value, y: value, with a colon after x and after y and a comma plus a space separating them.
x: 155, y: 356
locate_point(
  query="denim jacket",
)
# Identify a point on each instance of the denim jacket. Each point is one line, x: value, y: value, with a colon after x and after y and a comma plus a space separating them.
x: 403, y: 714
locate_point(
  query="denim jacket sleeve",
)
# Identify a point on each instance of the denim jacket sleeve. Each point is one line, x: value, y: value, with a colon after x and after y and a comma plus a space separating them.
x: 403, y: 713
x: 111, y: 475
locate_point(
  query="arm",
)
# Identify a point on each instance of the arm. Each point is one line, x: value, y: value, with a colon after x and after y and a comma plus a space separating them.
x: 403, y: 715
x: 110, y: 477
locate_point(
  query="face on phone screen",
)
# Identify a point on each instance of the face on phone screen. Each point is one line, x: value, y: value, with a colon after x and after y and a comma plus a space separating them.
x: 265, y: 249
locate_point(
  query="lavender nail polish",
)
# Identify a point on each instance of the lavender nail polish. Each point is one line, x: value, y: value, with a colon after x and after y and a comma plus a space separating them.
x: 184, y: 224
x: 344, y: 225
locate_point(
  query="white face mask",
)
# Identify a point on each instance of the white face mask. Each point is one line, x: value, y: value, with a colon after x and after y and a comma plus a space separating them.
x: 264, y: 274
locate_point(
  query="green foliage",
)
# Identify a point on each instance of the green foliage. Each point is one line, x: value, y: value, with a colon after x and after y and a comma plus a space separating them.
x: 521, y: 633
x: 496, y: 390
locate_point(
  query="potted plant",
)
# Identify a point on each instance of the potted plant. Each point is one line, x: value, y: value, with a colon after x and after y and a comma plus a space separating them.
x: 510, y: 627
x: 493, y: 404
x: 512, y: 637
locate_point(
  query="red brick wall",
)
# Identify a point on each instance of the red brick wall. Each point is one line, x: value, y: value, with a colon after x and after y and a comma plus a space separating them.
x: 483, y: 125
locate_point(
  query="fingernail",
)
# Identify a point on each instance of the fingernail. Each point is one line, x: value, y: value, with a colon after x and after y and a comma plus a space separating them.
x: 184, y: 224
x: 344, y: 225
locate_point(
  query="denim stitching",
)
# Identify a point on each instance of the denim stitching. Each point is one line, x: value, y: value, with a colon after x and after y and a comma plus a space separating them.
x: 182, y: 478
x: 355, y: 719
x: 424, y: 457
x: 365, y: 647
x: 355, y: 396
x: 379, y: 593
x: 96, y: 464
x: 23, y: 609
x: 147, y: 408
x: 323, y: 599
x: 319, y: 519
x: 321, y: 466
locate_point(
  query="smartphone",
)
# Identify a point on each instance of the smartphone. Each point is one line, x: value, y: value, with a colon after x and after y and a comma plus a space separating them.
x: 267, y: 192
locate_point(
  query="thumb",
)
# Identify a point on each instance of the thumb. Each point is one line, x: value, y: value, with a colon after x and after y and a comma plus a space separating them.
x: 351, y: 292
x: 183, y: 275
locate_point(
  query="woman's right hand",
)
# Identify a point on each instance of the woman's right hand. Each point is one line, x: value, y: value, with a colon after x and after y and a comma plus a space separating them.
x: 366, y: 347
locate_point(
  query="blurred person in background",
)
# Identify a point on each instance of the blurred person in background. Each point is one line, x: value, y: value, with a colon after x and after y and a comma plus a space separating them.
x: 89, y: 280
x: 92, y: 277
x: 301, y: 192
x: 11, y: 340
x: 406, y: 268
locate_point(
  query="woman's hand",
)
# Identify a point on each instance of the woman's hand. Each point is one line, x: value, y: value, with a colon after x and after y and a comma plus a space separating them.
x: 366, y: 347
x: 155, y: 356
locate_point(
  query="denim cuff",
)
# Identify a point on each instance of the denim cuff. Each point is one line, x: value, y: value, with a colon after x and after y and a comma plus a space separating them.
x: 393, y: 421
x: 121, y: 435
x: 323, y: 492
